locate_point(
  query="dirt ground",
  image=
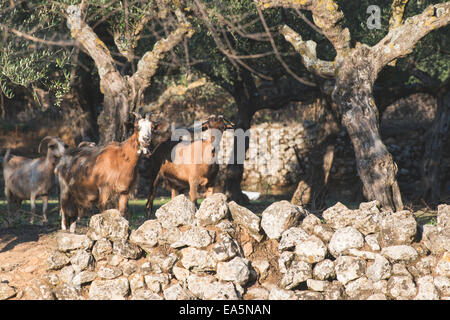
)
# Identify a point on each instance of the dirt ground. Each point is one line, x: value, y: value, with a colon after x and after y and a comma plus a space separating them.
x: 23, y: 252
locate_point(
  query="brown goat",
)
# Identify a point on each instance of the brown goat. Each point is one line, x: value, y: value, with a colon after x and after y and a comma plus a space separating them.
x: 93, y: 175
x: 192, y: 164
x: 31, y: 178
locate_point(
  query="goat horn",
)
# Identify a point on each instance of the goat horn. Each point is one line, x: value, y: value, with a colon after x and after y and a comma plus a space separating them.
x: 42, y: 141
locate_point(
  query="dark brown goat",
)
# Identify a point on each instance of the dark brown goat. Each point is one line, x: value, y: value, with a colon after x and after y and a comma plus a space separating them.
x: 192, y: 163
x: 31, y: 178
x: 94, y: 175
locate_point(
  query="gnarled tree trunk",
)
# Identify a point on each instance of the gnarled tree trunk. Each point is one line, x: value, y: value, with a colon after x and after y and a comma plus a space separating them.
x: 353, y: 95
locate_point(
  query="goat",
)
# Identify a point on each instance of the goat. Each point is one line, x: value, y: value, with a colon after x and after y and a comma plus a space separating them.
x: 192, y: 164
x: 30, y: 178
x: 93, y: 175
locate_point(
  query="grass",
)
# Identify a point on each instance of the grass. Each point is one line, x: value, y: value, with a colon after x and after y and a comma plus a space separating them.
x: 136, y: 208
x: 137, y: 211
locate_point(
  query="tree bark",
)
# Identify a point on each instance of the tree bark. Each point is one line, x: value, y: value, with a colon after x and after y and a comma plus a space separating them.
x: 122, y: 94
x: 353, y: 95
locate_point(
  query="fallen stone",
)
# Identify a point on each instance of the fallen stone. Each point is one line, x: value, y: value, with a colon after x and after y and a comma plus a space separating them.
x: 324, y: 232
x: 334, y: 291
x: 69, y: 241
x: 109, y: 272
x: 372, y: 241
x: 281, y: 294
x: 81, y: 260
x: 338, y: 216
x: 426, y: 289
x: 57, y: 260
x: 129, y: 267
x: 66, y: 274
x: 309, y: 295
x: 237, y: 270
x: 198, y: 284
x: 359, y: 289
x: 126, y: 249
x: 67, y: 292
x: 443, y: 216
x: 197, y: 237
x: 285, y: 260
x: 298, y: 272
x: 348, y: 268
x: 147, y: 235
x: 401, y: 287
x: 102, y: 248
x: 181, y: 274
x: 156, y: 282
x: 176, y: 292
x: 213, y: 209
x: 311, y: 250
x: 280, y: 216
x: 398, y: 228
x: 6, y: 291
x: 324, y: 270
x: 83, y: 277
x: 377, y: 296
x: 225, y: 249
x: 344, y: 239
x: 435, y: 240
x: 109, y: 224
x: 316, y: 285
x: 198, y: 260
x: 443, y: 266
x: 179, y: 211
x: 310, y: 222
x: 442, y: 284
x: 379, y: 269
x: 221, y: 291
x: 246, y: 219
x: 400, y: 253
x: 137, y: 282
x: 165, y: 263
x: 257, y: 293
x: 116, y: 289
x: 291, y: 237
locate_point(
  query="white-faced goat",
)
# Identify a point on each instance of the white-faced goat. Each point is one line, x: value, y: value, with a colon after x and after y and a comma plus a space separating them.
x: 31, y: 178
x: 92, y: 175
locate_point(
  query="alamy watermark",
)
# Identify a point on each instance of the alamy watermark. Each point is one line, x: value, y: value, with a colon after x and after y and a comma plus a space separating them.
x: 374, y: 20
x: 223, y: 147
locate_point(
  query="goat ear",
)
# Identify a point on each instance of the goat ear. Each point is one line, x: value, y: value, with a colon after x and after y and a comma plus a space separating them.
x: 43, y: 141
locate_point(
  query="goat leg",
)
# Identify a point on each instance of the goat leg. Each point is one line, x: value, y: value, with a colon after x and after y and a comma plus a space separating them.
x: 9, y: 199
x: 193, y: 193
x: 44, y: 209
x: 33, y: 207
x: 123, y: 203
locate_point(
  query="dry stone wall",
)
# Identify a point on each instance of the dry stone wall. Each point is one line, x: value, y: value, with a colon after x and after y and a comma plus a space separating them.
x: 225, y: 251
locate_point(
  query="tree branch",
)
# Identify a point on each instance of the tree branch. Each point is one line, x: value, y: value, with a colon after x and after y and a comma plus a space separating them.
x: 326, y: 16
x: 401, y: 40
x: 178, y: 90
x: 148, y: 64
x: 307, y: 50
x: 95, y: 47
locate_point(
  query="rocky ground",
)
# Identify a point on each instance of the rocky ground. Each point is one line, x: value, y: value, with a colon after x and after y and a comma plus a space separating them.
x: 225, y: 251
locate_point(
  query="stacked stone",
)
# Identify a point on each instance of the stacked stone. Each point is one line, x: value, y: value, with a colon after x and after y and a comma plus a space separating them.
x: 273, y: 148
x: 211, y: 253
x: 364, y: 254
